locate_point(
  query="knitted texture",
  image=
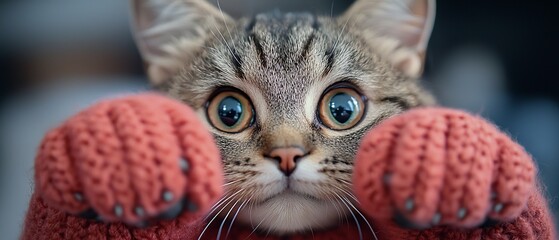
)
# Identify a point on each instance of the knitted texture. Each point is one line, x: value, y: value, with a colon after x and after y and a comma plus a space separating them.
x: 46, y: 222
x: 133, y: 158
x: 443, y: 166
x: 122, y: 158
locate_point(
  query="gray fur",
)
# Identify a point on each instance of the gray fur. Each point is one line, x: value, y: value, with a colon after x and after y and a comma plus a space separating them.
x: 282, y: 56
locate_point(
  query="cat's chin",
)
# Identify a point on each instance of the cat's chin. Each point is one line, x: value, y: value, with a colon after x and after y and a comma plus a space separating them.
x: 290, y: 194
x: 289, y: 212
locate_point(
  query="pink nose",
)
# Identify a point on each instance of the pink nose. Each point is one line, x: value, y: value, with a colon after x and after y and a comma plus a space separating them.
x: 287, y: 158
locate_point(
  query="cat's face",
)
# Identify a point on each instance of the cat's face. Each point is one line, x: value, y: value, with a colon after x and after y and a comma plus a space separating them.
x: 288, y: 98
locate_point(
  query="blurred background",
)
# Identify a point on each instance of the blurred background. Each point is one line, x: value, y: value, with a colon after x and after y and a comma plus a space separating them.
x: 495, y: 58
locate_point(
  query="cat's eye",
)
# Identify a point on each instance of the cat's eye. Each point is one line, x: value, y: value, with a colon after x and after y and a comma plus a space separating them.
x: 230, y: 111
x: 341, y: 108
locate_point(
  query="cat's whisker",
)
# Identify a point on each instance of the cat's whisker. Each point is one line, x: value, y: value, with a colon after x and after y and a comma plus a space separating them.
x: 250, y: 213
x: 344, y: 181
x: 232, y: 182
x: 225, y: 219
x: 222, y: 39
x: 235, y: 216
x: 347, y: 193
x: 223, y: 18
x: 339, y: 35
x: 215, y: 35
x: 335, y: 203
x: 222, y: 202
x: 362, y: 216
x: 345, y: 216
x: 353, y: 215
x: 215, y: 216
x: 215, y: 205
x: 255, y: 228
x: 312, y: 232
x: 267, y: 233
x: 225, y: 42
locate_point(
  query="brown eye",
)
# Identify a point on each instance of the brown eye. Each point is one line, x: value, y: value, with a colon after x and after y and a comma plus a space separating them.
x: 341, y: 108
x: 230, y: 111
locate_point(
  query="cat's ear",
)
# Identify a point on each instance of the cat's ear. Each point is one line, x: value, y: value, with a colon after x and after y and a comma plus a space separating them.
x: 168, y: 32
x: 398, y: 29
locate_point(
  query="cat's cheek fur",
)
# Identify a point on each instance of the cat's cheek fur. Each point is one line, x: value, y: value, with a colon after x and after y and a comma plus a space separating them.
x: 307, y: 170
x: 306, y: 179
x: 270, y: 180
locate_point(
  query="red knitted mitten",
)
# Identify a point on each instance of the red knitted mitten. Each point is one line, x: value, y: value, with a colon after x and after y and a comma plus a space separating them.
x: 432, y: 167
x: 131, y: 160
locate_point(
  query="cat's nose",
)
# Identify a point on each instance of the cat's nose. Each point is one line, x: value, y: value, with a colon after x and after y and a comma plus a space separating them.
x: 287, y: 158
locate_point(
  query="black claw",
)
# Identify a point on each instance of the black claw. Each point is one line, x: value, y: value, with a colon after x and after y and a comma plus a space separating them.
x: 139, y: 211
x: 184, y: 164
x: 78, y: 196
x: 89, y: 214
x: 173, y: 212
x: 409, y: 205
x: 167, y: 196
x: 118, y: 210
x: 462, y: 213
x: 436, y: 219
x: 498, y: 207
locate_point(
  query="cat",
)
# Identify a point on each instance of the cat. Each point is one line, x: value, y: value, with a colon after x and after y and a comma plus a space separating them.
x: 287, y: 96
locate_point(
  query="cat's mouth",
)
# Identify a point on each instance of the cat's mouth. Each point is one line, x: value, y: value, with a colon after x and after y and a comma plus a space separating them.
x: 289, y: 193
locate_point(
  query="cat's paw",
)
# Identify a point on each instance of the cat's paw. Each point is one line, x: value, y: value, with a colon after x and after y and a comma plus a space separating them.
x: 431, y: 167
x: 133, y: 160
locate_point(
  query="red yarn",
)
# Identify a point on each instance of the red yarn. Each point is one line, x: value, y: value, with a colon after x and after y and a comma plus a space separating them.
x: 435, y: 167
x: 122, y: 157
x: 442, y: 162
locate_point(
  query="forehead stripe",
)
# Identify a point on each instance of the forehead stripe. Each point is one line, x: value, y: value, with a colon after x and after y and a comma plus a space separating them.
x: 259, y: 49
x: 237, y: 64
x: 330, y: 61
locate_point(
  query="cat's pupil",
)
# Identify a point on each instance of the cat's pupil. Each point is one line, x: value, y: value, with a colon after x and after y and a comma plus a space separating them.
x: 230, y: 111
x: 342, y: 107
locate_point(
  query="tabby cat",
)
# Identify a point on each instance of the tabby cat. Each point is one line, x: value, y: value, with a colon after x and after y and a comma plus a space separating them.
x: 287, y: 96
